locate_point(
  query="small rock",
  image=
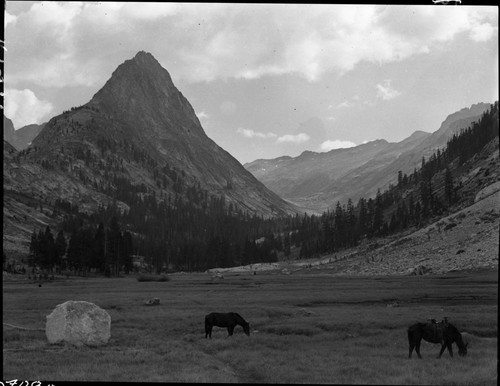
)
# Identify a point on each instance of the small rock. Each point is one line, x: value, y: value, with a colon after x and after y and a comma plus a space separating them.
x: 450, y: 226
x: 217, y: 276
x: 153, y: 302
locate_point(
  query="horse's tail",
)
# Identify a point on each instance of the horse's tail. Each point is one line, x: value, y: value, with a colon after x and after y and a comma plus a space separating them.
x: 207, y: 324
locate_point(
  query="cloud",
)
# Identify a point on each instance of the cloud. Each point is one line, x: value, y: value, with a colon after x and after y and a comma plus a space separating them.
x: 249, y: 133
x: 9, y: 19
x: 336, y: 144
x: 344, y: 104
x: 80, y: 43
x: 483, y: 32
x: 296, y: 139
x: 24, y: 108
x: 202, y: 115
x: 348, y: 102
x: 386, y: 92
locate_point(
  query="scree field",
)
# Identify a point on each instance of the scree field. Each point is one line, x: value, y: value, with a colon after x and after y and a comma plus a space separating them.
x: 305, y: 328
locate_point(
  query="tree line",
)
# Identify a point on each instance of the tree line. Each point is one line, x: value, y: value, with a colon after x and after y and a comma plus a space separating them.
x: 105, y: 250
x: 190, y: 229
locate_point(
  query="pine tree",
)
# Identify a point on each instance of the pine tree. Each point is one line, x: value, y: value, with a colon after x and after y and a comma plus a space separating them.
x: 74, y: 251
x: 113, y: 246
x: 126, y: 252
x: 339, y: 227
x: 60, y: 247
x: 363, y: 226
x: 47, y: 256
x: 98, y: 257
x: 351, y: 224
x: 448, y: 186
x: 287, y: 244
x: 378, y: 216
x: 34, y: 249
x: 424, y: 197
x: 400, y: 179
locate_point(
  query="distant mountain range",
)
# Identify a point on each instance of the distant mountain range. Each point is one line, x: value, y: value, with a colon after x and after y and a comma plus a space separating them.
x: 22, y: 137
x: 139, y: 144
x: 316, y: 181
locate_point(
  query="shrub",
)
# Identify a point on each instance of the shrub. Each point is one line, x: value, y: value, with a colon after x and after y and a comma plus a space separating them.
x: 150, y: 277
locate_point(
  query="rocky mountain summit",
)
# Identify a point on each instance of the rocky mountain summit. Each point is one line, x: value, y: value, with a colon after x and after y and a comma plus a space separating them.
x: 138, y: 138
x: 140, y: 121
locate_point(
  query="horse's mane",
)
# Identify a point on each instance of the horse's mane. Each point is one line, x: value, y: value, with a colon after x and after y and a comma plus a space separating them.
x: 238, y: 316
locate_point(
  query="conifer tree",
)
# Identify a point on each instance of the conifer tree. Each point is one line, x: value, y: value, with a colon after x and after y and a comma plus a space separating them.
x: 378, y: 216
x: 448, y: 186
x: 60, y: 247
x: 98, y: 257
x: 113, y: 246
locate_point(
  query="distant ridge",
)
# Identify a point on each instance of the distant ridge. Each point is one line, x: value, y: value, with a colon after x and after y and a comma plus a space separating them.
x: 22, y: 137
x: 316, y: 181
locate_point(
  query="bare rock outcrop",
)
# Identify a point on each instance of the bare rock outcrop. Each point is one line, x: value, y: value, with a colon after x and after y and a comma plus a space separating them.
x: 79, y: 323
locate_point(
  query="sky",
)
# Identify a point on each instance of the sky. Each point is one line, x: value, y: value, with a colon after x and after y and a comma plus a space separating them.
x: 265, y: 80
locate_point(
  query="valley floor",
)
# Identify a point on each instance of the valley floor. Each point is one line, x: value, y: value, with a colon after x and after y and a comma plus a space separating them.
x: 305, y: 328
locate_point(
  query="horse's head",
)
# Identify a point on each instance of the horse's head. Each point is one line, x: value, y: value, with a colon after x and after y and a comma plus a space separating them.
x: 246, y: 328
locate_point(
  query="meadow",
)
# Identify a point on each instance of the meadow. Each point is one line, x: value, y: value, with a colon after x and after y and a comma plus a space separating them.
x: 305, y: 328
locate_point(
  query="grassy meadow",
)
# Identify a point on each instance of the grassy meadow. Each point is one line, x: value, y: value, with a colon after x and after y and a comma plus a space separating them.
x: 304, y: 329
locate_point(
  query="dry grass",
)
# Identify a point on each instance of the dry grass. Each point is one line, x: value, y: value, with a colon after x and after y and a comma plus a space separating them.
x: 305, y: 329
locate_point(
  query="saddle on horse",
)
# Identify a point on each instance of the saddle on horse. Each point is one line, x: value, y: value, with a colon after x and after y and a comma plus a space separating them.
x: 438, y: 329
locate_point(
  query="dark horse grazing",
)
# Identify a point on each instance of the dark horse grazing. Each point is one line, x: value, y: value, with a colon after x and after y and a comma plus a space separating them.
x: 442, y: 332
x: 229, y: 320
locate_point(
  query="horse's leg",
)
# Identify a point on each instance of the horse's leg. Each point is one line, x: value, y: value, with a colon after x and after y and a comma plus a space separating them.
x: 450, y: 349
x: 412, y: 346
x: 417, y: 348
x: 230, y: 330
x: 410, y: 343
x: 443, y: 346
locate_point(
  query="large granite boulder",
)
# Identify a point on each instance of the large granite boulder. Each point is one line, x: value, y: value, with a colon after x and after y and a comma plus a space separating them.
x: 79, y: 323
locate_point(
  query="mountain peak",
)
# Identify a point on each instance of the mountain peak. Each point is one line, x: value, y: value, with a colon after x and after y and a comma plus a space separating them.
x: 145, y: 61
x: 143, y: 65
x: 143, y: 55
x: 140, y: 91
